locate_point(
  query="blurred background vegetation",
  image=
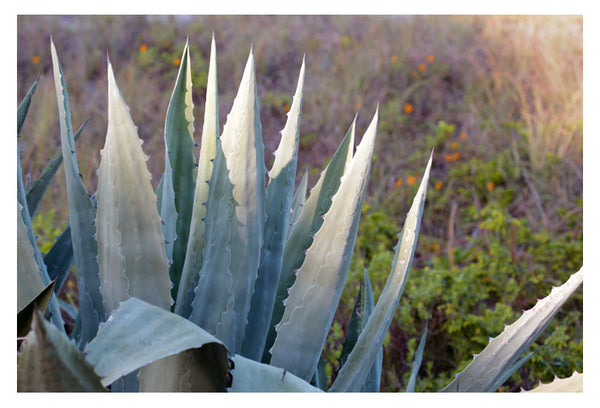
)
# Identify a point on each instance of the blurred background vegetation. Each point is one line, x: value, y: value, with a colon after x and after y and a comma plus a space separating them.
x: 499, y: 98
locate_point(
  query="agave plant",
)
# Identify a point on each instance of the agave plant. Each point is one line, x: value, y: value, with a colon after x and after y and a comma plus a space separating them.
x: 224, y: 278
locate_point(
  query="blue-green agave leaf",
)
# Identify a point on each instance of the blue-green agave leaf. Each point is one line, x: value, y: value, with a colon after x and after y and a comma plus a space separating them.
x: 36, y: 192
x: 412, y: 381
x: 145, y: 334
x: 23, y: 107
x: 280, y: 190
x: 498, y: 359
x: 29, y: 280
x: 352, y: 376
x: 315, y: 294
x: 373, y: 382
x: 131, y: 247
x: 302, y: 232
x: 510, y: 371
x: 81, y: 217
x: 59, y: 259
x: 298, y: 202
x: 179, y: 175
x: 251, y: 376
x: 235, y: 219
x: 27, y: 235
x: 208, y: 148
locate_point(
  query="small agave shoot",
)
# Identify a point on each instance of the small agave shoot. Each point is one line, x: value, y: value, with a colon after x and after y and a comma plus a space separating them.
x: 216, y: 280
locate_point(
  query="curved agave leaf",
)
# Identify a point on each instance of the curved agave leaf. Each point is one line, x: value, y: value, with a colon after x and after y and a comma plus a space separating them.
x: 131, y: 248
x: 146, y: 334
x: 208, y: 148
x: 353, y: 374
x: 49, y: 361
x: 81, y: 216
x: 179, y: 176
x: 313, y: 298
x: 235, y: 219
x: 278, y: 206
x: 499, y: 357
x: 251, y: 376
x: 308, y: 223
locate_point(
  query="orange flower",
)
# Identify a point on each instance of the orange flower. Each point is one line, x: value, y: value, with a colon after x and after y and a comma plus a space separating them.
x: 398, y: 182
x: 408, y: 108
x: 455, y: 156
x: 421, y: 67
x: 176, y: 61
x: 70, y: 284
x: 463, y: 136
x: 286, y: 108
x: 438, y: 185
x: 394, y: 59
x: 454, y: 145
x: 430, y: 58
x: 143, y: 48
x: 36, y: 59
x: 490, y: 185
x: 447, y: 157
x: 411, y: 180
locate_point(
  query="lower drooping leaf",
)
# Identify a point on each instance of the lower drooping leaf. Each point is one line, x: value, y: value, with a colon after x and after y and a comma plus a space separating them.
x: 49, y: 361
x: 251, y: 376
x: 146, y: 334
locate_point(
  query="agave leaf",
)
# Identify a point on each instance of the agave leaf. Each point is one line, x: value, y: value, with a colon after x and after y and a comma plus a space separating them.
x: 503, y: 351
x: 81, y: 216
x: 412, y: 381
x: 208, y: 148
x: 354, y: 328
x: 29, y: 280
x: 23, y: 215
x: 373, y: 381
x: 280, y: 191
x: 179, y: 176
x: 574, y: 383
x: 307, y: 224
x: 510, y: 371
x: 235, y: 219
x: 352, y: 376
x: 36, y: 192
x: 23, y: 107
x: 131, y: 248
x: 314, y: 296
x: 144, y: 334
x: 49, y: 361
x: 59, y: 259
x: 251, y: 376
x: 298, y: 202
